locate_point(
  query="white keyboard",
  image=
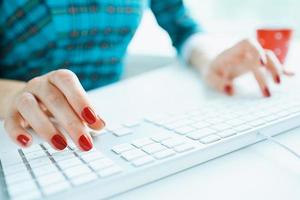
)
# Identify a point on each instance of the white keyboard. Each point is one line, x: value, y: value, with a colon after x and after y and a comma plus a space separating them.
x: 148, y: 149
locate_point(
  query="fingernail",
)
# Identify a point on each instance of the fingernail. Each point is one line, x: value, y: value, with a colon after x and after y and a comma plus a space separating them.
x: 261, y: 61
x: 267, y: 92
x: 59, y: 142
x: 89, y: 115
x: 277, y: 79
x: 85, y: 143
x: 23, y: 139
x: 102, y: 121
x: 228, y: 89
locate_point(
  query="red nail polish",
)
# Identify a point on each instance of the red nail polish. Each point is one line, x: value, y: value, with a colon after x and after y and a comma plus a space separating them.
x: 23, y: 139
x: 277, y: 79
x: 59, y: 142
x: 228, y: 89
x: 88, y: 115
x: 85, y: 143
x: 267, y: 92
x: 262, y: 62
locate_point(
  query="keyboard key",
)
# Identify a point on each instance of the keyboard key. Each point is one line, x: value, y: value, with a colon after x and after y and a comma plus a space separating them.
x: 131, y: 124
x: 39, y: 162
x: 221, y: 126
x: 227, y: 133
x: 142, y: 142
x: 95, y: 155
x: 35, y: 155
x: 209, y: 139
x: 22, y: 187
x: 164, y: 154
x: 50, y: 179
x: 64, y: 164
x: 201, y: 124
x: 110, y: 171
x: 242, y: 128
x: 200, y: 133
x: 122, y: 148
x: 101, y: 164
x: 178, y: 124
x: 15, y: 168
x: 133, y: 154
x: 170, y: 143
x: 18, y: 177
x: 153, y: 148
x: 35, y: 194
x: 184, y: 147
x: 122, y: 131
x: 184, y: 130
x: 142, y: 161
x: 84, y: 179
x: 77, y: 171
x: 63, y: 155
x: 43, y: 170
x: 55, y: 188
x: 159, y: 138
x: 32, y: 148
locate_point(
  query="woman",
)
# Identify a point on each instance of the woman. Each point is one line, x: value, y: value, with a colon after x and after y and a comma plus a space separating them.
x: 51, y: 51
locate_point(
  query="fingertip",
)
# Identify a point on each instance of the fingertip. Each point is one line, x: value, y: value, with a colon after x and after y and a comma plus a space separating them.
x: 277, y: 79
x: 228, y: 89
x: 99, y: 124
x: 266, y: 92
x: 24, y: 140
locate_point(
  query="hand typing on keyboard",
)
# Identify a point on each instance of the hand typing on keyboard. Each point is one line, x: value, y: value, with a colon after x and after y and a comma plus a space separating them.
x: 245, y: 56
x: 58, y: 95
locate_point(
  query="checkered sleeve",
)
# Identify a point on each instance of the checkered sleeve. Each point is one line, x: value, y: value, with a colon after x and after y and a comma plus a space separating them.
x: 173, y: 16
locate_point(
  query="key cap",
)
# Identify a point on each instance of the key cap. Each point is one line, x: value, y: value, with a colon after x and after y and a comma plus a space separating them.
x: 227, y: 133
x: 153, y: 148
x: 133, y: 154
x: 22, y: 187
x: 101, y: 164
x: 39, y: 162
x: 43, y: 170
x: 63, y: 155
x: 184, y: 130
x: 201, y: 124
x: 170, y: 143
x: 122, y: 148
x: 131, y: 124
x: 200, y: 133
x: 27, y: 196
x: 164, y: 154
x: 96, y: 155
x: 221, y: 127
x: 142, y: 161
x: 242, y: 128
x: 12, y: 169
x: 110, y: 171
x: 84, y: 179
x: 55, y: 188
x: 35, y: 155
x: 32, y: 148
x: 18, y: 177
x: 77, y: 171
x: 209, y: 139
x: 159, y: 138
x: 64, y: 164
x: 50, y: 179
x: 184, y: 147
x: 121, y: 131
x: 142, y: 142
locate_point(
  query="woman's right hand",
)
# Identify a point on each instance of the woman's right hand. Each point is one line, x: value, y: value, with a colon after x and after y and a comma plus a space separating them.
x: 57, y: 95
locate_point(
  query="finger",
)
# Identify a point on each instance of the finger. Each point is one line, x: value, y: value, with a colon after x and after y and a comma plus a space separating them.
x: 39, y: 122
x: 261, y: 82
x: 57, y: 104
x: 68, y: 83
x: 273, y: 65
x: 17, y: 133
x: 220, y: 82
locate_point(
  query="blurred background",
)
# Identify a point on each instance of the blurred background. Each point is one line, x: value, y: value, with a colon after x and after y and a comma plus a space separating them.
x: 234, y: 18
x: 240, y: 17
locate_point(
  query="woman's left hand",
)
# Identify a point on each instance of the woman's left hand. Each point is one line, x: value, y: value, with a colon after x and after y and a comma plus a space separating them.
x: 245, y: 56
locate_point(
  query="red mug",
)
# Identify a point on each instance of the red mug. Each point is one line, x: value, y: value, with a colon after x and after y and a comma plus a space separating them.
x: 276, y: 40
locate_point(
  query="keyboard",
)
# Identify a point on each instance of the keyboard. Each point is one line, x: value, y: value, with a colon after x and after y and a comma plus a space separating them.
x: 144, y: 150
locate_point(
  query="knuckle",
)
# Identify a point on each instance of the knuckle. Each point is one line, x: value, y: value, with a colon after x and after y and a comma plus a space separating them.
x: 53, y: 97
x: 26, y: 99
x: 34, y: 82
x: 65, y: 75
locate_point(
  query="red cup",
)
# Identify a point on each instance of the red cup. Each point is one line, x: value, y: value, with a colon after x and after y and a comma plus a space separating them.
x: 277, y: 40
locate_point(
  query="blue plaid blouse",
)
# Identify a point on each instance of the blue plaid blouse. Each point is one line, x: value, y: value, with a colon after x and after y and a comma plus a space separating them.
x: 89, y: 37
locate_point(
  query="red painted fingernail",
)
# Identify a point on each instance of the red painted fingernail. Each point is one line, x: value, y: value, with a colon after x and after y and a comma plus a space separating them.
x: 88, y: 115
x: 228, y: 89
x: 277, y: 79
x: 85, y: 143
x: 23, y: 139
x: 267, y: 92
x: 59, y: 142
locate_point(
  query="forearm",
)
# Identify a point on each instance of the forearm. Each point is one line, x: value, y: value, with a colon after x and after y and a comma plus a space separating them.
x: 8, y: 89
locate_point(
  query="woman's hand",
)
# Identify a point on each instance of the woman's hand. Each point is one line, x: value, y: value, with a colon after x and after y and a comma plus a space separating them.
x: 245, y: 56
x: 57, y: 95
